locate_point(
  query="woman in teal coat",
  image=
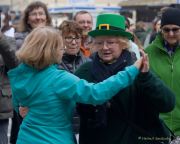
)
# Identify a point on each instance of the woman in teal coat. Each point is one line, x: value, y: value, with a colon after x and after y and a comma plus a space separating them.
x: 50, y: 93
x: 132, y: 115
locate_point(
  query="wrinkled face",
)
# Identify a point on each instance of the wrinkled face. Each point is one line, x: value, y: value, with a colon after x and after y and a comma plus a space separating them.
x: 85, y: 21
x: 171, y: 33
x: 37, y: 17
x: 72, y: 43
x: 109, y: 48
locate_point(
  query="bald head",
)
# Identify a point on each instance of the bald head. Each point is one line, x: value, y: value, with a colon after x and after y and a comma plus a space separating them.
x: 85, y: 21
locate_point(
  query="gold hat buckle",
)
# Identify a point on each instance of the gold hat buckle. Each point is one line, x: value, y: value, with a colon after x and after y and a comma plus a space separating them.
x: 104, y: 26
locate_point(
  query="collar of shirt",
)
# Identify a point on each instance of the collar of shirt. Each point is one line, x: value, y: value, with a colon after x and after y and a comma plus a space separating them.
x: 169, y: 49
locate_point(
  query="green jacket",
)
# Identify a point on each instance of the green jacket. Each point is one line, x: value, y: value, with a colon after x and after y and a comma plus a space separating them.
x: 167, y: 69
x: 132, y: 115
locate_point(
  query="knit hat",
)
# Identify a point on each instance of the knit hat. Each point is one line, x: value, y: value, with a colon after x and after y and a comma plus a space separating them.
x: 171, y: 16
x: 110, y: 25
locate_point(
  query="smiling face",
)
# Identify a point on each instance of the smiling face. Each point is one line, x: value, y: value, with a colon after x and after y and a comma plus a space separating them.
x: 171, y: 33
x: 110, y: 47
x: 37, y: 17
x: 85, y: 21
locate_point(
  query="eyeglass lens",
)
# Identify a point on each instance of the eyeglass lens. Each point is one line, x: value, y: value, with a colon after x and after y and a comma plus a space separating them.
x: 70, y: 39
x: 167, y: 30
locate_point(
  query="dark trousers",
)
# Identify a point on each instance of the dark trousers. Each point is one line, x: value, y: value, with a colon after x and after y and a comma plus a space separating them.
x: 3, y: 131
x: 16, y: 122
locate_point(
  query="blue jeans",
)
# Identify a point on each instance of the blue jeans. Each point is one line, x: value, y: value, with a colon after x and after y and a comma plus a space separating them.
x: 4, y: 131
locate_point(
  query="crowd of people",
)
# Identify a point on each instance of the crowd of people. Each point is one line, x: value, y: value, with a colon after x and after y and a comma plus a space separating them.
x: 97, y: 83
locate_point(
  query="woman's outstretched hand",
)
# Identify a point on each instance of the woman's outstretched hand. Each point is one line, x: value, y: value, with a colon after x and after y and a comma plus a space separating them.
x: 143, y: 63
x: 138, y: 63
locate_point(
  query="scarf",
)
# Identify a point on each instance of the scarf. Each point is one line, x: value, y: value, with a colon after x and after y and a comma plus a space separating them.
x: 101, y: 71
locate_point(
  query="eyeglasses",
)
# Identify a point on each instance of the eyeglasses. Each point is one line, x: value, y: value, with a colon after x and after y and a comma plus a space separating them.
x: 70, y: 39
x: 167, y: 30
x: 109, y: 44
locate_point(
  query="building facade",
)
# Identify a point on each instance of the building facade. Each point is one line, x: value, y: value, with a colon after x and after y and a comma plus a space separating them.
x: 21, y: 4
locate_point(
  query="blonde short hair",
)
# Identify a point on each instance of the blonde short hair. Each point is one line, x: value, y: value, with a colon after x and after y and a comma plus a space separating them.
x: 123, y: 42
x: 41, y: 48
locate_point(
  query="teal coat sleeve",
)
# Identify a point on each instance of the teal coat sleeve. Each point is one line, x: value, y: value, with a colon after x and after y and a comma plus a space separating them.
x: 89, y: 93
x: 157, y: 93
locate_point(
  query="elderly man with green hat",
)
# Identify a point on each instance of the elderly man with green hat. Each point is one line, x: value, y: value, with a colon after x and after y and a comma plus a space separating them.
x: 132, y: 116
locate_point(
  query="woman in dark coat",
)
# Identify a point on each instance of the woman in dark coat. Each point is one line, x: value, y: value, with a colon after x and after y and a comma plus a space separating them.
x: 132, y: 116
x: 7, y: 61
x: 72, y: 58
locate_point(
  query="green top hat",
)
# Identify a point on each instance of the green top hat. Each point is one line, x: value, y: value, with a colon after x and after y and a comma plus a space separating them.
x: 110, y: 25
